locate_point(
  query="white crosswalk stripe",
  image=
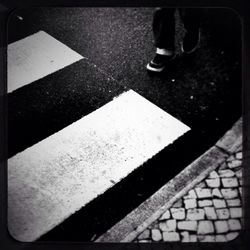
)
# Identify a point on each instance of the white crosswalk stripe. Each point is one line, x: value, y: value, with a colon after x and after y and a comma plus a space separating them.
x: 56, y: 177
x: 36, y: 56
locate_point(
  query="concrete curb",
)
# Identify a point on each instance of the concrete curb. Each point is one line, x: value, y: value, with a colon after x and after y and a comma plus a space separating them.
x: 139, y: 219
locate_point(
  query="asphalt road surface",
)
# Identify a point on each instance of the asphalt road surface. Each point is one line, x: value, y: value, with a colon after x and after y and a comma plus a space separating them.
x: 202, y: 90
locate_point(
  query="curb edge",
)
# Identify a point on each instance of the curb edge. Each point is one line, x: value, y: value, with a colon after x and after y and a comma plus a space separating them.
x: 127, y: 229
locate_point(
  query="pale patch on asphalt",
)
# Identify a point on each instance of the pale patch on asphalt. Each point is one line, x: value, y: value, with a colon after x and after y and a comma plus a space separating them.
x: 35, y: 57
x: 59, y: 175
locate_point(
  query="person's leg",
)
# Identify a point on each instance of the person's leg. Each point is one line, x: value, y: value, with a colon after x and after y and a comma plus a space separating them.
x: 191, y: 18
x: 164, y: 34
x: 164, y: 28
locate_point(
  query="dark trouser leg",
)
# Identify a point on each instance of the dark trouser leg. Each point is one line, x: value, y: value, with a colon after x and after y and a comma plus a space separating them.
x: 164, y: 28
x: 191, y: 18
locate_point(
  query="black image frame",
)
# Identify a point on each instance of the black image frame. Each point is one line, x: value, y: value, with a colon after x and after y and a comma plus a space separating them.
x: 241, y: 7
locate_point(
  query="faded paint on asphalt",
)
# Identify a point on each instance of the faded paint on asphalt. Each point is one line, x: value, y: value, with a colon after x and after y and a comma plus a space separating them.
x: 56, y: 177
x: 36, y: 56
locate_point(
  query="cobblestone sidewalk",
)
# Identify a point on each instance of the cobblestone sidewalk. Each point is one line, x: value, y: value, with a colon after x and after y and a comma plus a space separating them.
x: 211, y: 212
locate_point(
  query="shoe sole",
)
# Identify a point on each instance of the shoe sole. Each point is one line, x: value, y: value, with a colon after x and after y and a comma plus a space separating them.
x: 158, y: 70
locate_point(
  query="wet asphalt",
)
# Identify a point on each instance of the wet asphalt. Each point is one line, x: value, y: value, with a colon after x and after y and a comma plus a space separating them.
x: 202, y: 90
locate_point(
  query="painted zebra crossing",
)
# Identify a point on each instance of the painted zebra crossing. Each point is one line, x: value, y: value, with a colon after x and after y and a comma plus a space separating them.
x: 36, y: 56
x: 55, y: 177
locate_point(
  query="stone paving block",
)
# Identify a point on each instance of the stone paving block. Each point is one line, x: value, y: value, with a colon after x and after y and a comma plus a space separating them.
x: 229, y: 182
x: 185, y: 236
x: 213, y: 175
x: 233, y: 202
x: 166, y: 215
x: 210, y: 213
x: 234, y: 164
x: 240, y: 189
x: 156, y: 235
x: 171, y: 236
x: 219, y: 203
x: 240, y: 182
x: 206, y: 238
x: 203, y: 192
x: 239, y: 148
x: 216, y: 193
x: 205, y: 203
x: 235, y: 212
x: 144, y: 235
x: 205, y: 227
x: 190, y: 203
x: 193, y: 238
x: 226, y: 173
x: 220, y: 238
x: 221, y: 226
x: 190, y: 195
x: 163, y: 226
x: 178, y: 213
x: 230, y: 158
x: 238, y: 173
x: 239, y: 155
x: 223, y: 213
x: 232, y: 236
x: 168, y: 225
x: 187, y: 225
x: 195, y: 214
x: 223, y: 166
x: 230, y: 193
x: 178, y: 204
x: 144, y: 241
x: 213, y: 183
x: 234, y: 225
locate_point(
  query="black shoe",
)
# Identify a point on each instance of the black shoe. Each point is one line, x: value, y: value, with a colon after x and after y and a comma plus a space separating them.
x: 190, y: 42
x: 159, y: 63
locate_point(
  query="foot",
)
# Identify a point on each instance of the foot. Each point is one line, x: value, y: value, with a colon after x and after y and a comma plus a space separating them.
x: 159, y: 63
x: 190, y: 42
